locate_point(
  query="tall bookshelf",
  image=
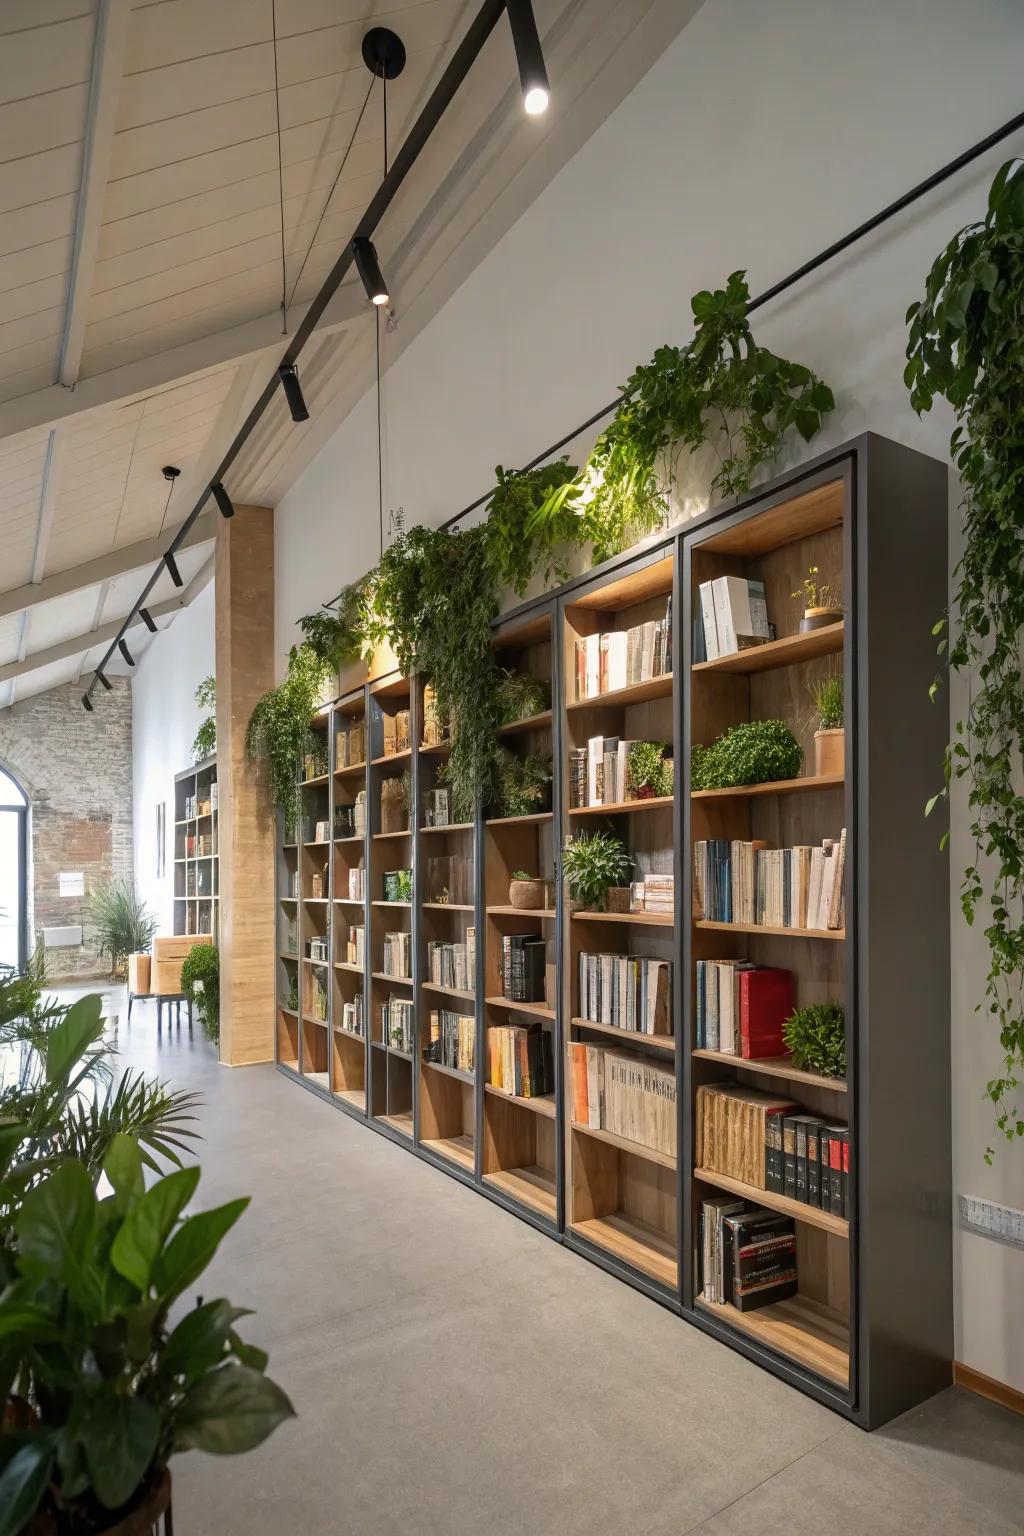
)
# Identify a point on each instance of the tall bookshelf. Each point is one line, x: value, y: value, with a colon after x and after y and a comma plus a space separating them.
x: 196, y: 865
x: 869, y: 1329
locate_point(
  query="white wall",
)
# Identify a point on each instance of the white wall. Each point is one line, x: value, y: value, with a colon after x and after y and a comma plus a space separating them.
x: 768, y: 129
x: 165, y: 718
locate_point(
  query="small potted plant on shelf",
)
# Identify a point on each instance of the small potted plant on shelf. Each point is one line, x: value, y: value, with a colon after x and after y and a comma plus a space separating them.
x: 598, y: 866
x: 822, y: 603
x: 649, y: 771
x: 752, y: 752
x: 815, y: 1037
x: 526, y: 892
x: 519, y: 696
x: 829, y: 735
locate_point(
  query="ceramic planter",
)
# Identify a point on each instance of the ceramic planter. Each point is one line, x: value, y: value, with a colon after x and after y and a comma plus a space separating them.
x: 817, y: 618
x: 526, y: 895
x: 829, y: 751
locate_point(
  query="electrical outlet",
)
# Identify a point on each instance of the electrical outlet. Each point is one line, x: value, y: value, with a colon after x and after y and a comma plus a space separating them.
x: 992, y: 1220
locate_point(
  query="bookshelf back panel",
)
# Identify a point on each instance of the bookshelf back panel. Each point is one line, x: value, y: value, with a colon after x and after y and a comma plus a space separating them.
x: 287, y: 1039
x: 348, y: 1064
x: 314, y: 1048
x: 516, y: 1137
x: 447, y: 1106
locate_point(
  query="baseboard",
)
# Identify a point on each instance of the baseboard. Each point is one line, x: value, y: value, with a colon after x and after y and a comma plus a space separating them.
x: 986, y: 1386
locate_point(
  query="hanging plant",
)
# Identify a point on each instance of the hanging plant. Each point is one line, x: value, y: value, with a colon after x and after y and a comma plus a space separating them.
x: 966, y: 343
x: 205, y: 743
x: 518, y: 543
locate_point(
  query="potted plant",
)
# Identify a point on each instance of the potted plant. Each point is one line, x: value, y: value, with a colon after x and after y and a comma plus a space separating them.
x: 519, y: 696
x: 649, y: 774
x: 822, y: 603
x: 526, y: 892
x: 753, y: 752
x: 597, y: 867
x: 815, y: 1037
x: 124, y: 925
x: 829, y: 735
x: 200, y: 982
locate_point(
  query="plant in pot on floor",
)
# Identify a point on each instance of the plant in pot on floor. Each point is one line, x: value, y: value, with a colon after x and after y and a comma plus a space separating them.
x: 123, y: 925
x: 822, y: 603
x: 598, y: 866
x: 648, y: 770
x: 829, y: 735
x: 200, y: 982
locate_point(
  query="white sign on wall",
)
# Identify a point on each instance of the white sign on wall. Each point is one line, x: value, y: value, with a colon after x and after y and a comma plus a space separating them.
x: 71, y: 884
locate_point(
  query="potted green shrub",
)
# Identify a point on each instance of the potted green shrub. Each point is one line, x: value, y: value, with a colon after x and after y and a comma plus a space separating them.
x: 648, y: 771
x: 200, y: 983
x: 123, y: 924
x: 815, y: 1037
x: 753, y: 752
x: 598, y: 866
x: 526, y: 892
x: 830, y: 735
x: 822, y: 603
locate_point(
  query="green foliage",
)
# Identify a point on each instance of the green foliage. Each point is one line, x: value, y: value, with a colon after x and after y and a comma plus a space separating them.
x: 815, y: 1037
x: 200, y: 982
x: 966, y: 344
x: 278, y: 728
x: 647, y: 768
x: 592, y: 864
x: 519, y: 541
x: 523, y: 784
x: 85, y: 1339
x: 403, y: 885
x: 205, y: 743
x: 827, y: 694
x: 753, y: 752
x: 522, y: 874
x: 123, y: 923
x: 334, y: 634
x: 518, y: 696
x: 817, y: 594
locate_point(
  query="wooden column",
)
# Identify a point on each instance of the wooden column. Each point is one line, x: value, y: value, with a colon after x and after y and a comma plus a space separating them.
x: 245, y: 670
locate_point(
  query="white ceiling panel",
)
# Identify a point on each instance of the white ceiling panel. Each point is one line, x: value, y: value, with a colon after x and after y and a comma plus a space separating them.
x: 62, y: 619
x: 10, y: 637
x: 45, y: 678
x: 45, y: 55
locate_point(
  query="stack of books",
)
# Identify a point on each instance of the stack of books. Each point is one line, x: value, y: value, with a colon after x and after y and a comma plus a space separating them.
x: 293, y: 880
x: 523, y: 964
x: 750, y: 883
x: 397, y: 958
x: 733, y: 1125
x: 350, y: 746
x: 599, y: 772
x: 355, y: 949
x: 352, y: 1015
x: 654, y: 893
x: 452, y: 1040
x: 741, y: 1008
x: 748, y: 1254
x: 809, y: 1160
x: 317, y: 949
x: 395, y: 732
x: 626, y: 1094
x: 623, y: 657
x: 520, y: 1060
x: 436, y: 808
x: 627, y: 991
x: 396, y: 1024
x: 453, y: 965
x: 357, y: 884
x: 734, y: 616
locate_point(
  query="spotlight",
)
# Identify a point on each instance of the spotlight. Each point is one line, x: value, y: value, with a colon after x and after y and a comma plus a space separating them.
x: 172, y: 569
x: 105, y: 680
x: 533, y: 77
x: 368, y: 268
x: 125, y: 652
x: 87, y: 702
x: 148, y: 619
x: 170, y: 473
x: 292, y: 392
x: 224, y: 503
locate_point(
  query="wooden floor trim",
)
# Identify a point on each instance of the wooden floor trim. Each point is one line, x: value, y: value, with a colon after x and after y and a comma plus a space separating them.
x: 986, y: 1386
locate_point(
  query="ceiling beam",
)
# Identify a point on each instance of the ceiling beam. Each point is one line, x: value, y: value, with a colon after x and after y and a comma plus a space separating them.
x: 129, y: 558
x: 78, y: 644
x: 105, y: 88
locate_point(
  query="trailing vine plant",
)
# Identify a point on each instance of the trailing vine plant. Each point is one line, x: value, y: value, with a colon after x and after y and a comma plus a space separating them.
x: 205, y: 742
x: 966, y: 343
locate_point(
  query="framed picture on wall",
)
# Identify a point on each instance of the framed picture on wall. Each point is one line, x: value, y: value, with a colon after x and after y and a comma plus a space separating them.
x: 161, y: 839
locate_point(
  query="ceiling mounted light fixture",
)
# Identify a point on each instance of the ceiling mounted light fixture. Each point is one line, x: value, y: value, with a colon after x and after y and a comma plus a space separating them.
x: 122, y: 646
x: 368, y: 268
x: 293, y: 392
x: 148, y: 619
x: 172, y: 569
x: 105, y: 680
x: 225, y: 505
x: 533, y: 77
x: 87, y: 702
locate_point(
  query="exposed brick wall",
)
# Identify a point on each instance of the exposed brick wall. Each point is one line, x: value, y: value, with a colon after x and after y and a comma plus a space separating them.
x: 76, y: 769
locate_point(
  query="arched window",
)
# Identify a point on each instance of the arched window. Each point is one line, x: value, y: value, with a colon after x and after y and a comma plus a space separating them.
x: 13, y: 874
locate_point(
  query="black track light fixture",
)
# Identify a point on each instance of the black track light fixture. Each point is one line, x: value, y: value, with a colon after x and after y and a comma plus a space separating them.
x: 225, y: 505
x: 105, y: 680
x: 172, y: 569
x: 148, y: 619
x: 87, y: 703
x: 293, y: 392
x: 122, y: 646
x: 533, y: 77
x: 368, y: 268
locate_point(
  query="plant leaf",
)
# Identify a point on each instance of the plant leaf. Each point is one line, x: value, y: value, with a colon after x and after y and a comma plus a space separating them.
x: 148, y: 1225
x: 23, y: 1484
x: 230, y: 1410
x: 119, y: 1436
x: 193, y: 1246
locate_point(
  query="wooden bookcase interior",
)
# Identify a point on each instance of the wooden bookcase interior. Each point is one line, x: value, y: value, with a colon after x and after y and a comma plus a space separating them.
x: 196, y: 866
x: 634, y: 1208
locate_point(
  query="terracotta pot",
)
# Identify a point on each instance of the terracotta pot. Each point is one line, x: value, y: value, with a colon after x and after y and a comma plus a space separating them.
x: 526, y: 895
x: 141, y: 1521
x: 829, y: 751
x: 817, y: 618
x: 616, y: 898
x: 646, y: 792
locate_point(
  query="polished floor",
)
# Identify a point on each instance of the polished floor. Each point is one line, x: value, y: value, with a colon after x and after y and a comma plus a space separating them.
x: 457, y: 1374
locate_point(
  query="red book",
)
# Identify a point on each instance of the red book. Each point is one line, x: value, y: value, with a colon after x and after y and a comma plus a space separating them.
x: 766, y: 999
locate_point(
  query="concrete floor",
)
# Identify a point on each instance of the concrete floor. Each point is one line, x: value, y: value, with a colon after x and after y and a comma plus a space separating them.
x: 457, y: 1373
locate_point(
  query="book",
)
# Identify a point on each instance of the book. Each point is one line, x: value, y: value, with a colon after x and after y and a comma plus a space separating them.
x: 452, y: 1040
x: 765, y: 1002
x: 710, y: 626
x: 731, y: 1130
x: 626, y: 1094
x: 631, y: 992
x: 620, y: 658
x: 747, y: 882
x: 520, y: 1061
x: 741, y: 616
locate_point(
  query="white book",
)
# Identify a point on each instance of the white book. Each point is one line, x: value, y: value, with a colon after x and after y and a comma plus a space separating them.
x: 707, y: 608
x: 814, y: 886
x: 828, y: 875
x: 595, y: 756
x: 617, y: 677
x: 593, y: 671
x: 732, y: 612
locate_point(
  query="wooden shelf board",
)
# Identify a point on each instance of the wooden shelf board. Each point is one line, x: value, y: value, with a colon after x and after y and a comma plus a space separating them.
x: 453, y: 826
x: 405, y: 981
x: 810, y: 1214
x: 510, y: 911
x: 354, y: 1096
x: 651, y: 580
x: 350, y: 1034
x: 393, y: 1050
x: 435, y: 986
x: 357, y: 837
x: 318, y: 778
x: 391, y: 904
x: 291, y: 1012
x: 349, y: 770
x: 321, y: 1079
x: 635, y: 1148
x: 646, y: 919
x: 544, y: 1104
x: 291, y: 899
x: 622, y: 807
x: 775, y: 1066
x: 636, y: 693
x: 308, y: 960
x: 802, y: 1329
x: 531, y: 1186
x: 439, y: 1066
x: 810, y: 781
x: 316, y: 842
x: 635, y: 1243
x: 435, y: 748
x: 783, y: 933
x: 527, y: 723
x: 518, y: 634
x: 659, y: 1042
x: 778, y: 653
x: 401, y: 1122
x: 346, y: 965
x: 318, y: 900
x: 379, y: 837
x: 538, y: 1010
x: 291, y: 1062
x: 457, y: 1149
x: 348, y: 901
x: 520, y: 821
x: 283, y: 955
x: 307, y: 1018
x: 448, y: 906
x: 391, y: 757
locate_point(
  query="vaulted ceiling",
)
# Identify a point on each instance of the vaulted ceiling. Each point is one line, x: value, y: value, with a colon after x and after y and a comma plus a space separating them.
x: 171, y: 173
